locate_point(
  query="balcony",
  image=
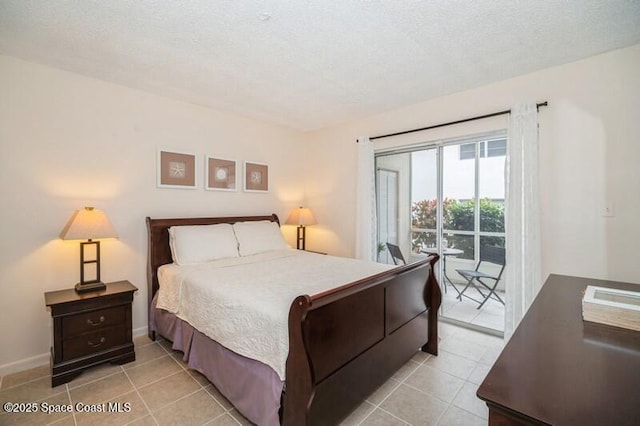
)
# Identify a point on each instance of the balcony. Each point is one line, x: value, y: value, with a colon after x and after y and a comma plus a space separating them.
x: 465, y: 310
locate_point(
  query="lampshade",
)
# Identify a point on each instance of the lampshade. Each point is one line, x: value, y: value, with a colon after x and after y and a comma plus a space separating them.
x: 88, y: 224
x: 301, y: 216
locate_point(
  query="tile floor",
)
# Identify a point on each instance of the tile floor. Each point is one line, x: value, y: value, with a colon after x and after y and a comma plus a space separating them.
x: 161, y: 390
x: 491, y: 315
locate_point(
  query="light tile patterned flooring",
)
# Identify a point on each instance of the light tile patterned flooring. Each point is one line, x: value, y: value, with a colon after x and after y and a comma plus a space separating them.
x: 491, y: 315
x: 163, y: 391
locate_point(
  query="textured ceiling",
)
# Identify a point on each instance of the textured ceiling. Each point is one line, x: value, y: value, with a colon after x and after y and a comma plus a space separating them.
x: 315, y: 63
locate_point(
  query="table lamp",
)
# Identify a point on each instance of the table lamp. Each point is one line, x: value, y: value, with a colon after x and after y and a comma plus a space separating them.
x: 302, y: 217
x: 88, y: 224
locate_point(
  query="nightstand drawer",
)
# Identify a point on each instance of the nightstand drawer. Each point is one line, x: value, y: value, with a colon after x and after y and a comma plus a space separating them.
x: 90, y: 343
x: 74, y: 325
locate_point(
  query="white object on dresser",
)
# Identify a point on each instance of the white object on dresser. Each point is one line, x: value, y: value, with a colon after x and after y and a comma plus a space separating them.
x: 619, y: 308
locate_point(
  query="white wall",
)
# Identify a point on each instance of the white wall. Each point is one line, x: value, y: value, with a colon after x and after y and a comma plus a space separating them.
x: 589, y: 153
x: 67, y: 141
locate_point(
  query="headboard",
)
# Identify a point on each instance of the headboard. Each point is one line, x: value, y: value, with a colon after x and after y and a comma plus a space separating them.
x: 159, y: 252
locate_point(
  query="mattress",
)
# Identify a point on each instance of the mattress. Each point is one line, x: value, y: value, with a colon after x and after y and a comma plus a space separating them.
x: 243, y: 303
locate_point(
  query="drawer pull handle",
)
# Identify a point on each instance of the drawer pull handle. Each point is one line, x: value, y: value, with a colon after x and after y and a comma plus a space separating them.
x: 95, y: 324
x: 95, y: 345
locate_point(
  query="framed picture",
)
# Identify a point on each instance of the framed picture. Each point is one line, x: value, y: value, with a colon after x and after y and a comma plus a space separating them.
x: 221, y: 174
x: 176, y: 169
x: 256, y: 177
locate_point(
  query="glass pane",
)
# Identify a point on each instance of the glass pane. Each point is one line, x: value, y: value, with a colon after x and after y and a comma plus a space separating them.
x: 491, y: 241
x: 613, y: 296
x: 467, y: 151
x: 458, y: 190
x: 497, y: 148
x: 461, y: 242
x: 393, y: 185
x: 491, y: 193
x: 424, y: 213
x: 387, y: 203
x: 424, y: 189
x: 423, y: 241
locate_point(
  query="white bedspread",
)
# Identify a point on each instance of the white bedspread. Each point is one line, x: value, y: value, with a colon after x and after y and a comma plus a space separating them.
x: 243, y: 303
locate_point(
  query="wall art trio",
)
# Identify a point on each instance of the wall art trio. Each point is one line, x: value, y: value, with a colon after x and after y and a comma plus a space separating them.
x: 180, y: 170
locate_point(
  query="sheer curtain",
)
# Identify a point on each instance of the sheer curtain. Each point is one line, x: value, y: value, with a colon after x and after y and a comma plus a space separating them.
x: 366, y: 201
x: 522, y: 217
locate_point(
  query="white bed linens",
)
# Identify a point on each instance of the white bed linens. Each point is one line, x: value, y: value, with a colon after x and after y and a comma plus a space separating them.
x: 243, y: 303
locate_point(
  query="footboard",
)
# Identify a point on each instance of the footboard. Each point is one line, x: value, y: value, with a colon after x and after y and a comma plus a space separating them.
x: 345, y: 343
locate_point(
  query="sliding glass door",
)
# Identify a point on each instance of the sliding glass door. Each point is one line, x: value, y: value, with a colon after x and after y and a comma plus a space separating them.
x: 448, y: 198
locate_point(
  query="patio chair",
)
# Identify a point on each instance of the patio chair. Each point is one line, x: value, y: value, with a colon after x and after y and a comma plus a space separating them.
x: 396, y: 254
x: 482, y: 280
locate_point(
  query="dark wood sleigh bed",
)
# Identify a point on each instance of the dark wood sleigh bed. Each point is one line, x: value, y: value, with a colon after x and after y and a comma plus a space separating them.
x: 343, y: 343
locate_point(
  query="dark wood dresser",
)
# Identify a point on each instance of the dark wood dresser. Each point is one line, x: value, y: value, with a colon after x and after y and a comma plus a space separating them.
x: 559, y: 370
x: 89, y: 329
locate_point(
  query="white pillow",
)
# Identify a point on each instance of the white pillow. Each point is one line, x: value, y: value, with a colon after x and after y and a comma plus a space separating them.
x: 258, y: 236
x: 202, y: 243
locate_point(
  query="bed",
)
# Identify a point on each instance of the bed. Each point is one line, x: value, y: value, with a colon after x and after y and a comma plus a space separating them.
x: 342, y: 342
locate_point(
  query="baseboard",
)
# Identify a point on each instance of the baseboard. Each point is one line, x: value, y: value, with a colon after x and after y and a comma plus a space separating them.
x: 42, y: 359
x: 140, y: 331
x: 24, y: 364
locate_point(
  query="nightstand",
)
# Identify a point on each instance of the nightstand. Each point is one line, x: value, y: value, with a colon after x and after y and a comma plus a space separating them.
x: 90, y: 329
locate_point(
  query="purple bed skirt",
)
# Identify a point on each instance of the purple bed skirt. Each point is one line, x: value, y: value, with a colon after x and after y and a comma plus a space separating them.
x: 252, y: 387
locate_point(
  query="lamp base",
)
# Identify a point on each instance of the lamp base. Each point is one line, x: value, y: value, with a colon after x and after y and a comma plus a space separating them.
x: 90, y: 286
x: 301, y: 237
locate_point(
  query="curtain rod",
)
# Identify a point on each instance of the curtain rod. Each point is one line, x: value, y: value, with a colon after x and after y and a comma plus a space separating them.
x: 450, y: 123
